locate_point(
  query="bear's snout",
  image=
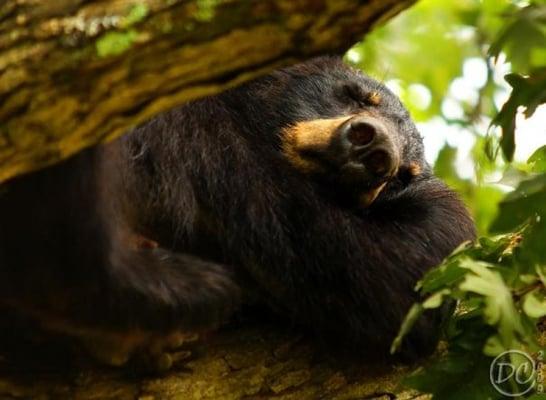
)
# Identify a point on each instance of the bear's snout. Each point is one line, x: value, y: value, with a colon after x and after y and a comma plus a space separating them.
x: 369, y: 148
x: 360, y: 151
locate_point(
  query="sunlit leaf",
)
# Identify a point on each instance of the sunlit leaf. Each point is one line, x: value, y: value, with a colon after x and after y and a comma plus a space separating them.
x: 435, y: 300
x: 444, y: 276
x: 411, y: 318
x: 534, y: 305
x: 499, y: 306
x: 538, y: 160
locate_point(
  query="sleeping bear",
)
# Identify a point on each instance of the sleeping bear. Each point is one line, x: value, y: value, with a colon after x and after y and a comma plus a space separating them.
x: 307, y: 187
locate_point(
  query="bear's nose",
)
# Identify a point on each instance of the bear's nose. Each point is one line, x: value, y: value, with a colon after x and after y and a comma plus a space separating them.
x: 369, y: 143
x: 361, y: 133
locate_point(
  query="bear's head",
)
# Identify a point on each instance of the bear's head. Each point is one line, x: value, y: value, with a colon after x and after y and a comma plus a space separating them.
x: 342, y: 127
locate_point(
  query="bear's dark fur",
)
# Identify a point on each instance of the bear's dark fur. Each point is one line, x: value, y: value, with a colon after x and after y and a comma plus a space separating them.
x: 210, y: 184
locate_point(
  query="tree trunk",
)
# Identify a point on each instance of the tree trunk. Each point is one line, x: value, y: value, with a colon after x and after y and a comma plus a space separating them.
x: 77, y: 72
x: 257, y: 362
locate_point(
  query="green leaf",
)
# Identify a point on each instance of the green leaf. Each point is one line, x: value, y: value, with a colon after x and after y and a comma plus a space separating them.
x: 454, y: 377
x: 537, y: 160
x: 522, y: 205
x: 435, y: 300
x: 412, y: 316
x: 528, y: 92
x: 526, y: 206
x: 533, y: 248
x: 493, y: 346
x: 499, y: 310
x: 521, y: 36
x: 534, y: 305
x: 443, y: 276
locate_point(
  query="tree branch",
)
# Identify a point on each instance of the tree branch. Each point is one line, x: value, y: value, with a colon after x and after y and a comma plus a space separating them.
x: 75, y: 72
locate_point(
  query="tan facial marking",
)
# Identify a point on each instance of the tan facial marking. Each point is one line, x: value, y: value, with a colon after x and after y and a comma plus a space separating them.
x: 414, y: 168
x: 307, y: 136
x: 374, y: 98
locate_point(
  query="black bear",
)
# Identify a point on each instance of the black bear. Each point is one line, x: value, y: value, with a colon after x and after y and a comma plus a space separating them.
x: 307, y: 186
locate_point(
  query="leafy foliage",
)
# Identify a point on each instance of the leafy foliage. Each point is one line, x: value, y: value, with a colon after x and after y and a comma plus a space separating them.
x: 500, y: 301
x: 528, y: 92
x: 445, y: 36
x: 499, y: 282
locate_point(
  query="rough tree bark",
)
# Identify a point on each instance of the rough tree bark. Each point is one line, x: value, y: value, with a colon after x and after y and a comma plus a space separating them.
x: 77, y: 72
x: 257, y: 361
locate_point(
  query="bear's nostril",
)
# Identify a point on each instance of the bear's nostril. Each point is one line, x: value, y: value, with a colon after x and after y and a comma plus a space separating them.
x: 361, y: 133
x: 378, y: 162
